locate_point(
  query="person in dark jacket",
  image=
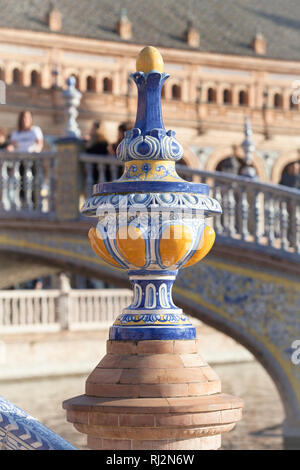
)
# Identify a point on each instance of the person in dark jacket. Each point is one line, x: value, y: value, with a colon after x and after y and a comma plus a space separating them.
x: 97, y: 144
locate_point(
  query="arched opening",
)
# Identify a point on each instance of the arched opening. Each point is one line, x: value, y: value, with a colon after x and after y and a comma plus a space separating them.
x: 16, y: 76
x: 230, y: 164
x: 243, y: 98
x: 277, y: 100
x: 90, y: 83
x: 35, y: 78
x: 176, y: 92
x: 290, y: 175
x: 211, y: 95
x: 107, y: 85
x: 227, y: 96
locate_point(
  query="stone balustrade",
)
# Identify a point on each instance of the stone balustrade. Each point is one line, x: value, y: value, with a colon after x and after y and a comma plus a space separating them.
x: 54, y: 309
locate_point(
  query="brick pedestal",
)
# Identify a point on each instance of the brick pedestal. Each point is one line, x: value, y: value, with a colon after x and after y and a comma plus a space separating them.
x: 153, y: 395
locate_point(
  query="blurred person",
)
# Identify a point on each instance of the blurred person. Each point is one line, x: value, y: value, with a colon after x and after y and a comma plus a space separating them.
x: 97, y: 142
x: 38, y: 284
x: 123, y: 127
x: 27, y: 137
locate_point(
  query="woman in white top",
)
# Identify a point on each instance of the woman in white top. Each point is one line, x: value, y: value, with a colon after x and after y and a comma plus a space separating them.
x: 27, y: 138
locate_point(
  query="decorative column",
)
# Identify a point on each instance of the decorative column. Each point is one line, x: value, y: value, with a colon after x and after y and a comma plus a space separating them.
x: 152, y: 390
x: 66, y: 171
x: 248, y: 146
x: 72, y: 98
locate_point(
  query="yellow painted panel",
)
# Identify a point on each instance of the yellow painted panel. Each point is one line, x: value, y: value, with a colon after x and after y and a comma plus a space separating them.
x: 175, y: 244
x: 131, y: 244
x: 204, y: 247
x: 100, y: 249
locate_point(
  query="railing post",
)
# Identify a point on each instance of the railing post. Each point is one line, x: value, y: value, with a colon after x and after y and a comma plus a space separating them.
x: 67, y: 164
x: 63, y: 302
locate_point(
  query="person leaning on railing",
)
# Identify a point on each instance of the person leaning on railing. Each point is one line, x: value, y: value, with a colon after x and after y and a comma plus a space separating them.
x: 123, y: 127
x: 26, y: 138
x: 97, y: 144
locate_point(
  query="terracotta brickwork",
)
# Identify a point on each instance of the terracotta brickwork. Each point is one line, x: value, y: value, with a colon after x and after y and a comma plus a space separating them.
x: 153, y: 395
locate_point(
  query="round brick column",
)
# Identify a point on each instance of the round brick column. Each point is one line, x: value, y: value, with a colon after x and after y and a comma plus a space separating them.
x: 153, y: 395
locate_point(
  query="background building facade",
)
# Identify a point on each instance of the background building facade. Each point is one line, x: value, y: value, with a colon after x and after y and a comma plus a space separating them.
x: 225, y: 61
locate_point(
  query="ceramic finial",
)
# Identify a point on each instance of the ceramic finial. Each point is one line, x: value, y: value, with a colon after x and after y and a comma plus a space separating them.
x: 149, y: 59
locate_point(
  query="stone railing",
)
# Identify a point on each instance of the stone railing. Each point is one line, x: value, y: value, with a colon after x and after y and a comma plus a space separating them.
x: 256, y: 213
x: 27, y: 184
x: 264, y: 216
x: 52, y: 310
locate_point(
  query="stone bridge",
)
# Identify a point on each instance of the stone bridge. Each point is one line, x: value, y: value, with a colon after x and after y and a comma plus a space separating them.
x: 248, y: 287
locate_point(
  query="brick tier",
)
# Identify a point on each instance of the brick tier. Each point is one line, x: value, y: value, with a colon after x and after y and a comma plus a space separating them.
x: 153, y: 395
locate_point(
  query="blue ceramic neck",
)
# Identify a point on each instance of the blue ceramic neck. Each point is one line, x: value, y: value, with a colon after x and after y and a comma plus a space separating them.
x: 149, y: 87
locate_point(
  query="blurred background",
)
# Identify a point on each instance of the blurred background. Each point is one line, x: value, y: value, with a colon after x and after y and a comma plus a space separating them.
x: 233, y: 100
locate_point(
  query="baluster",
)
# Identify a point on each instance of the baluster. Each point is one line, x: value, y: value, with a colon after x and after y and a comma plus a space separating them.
x: 270, y: 216
x: 14, y: 311
x: 51, y: 197
x: 28, y: 184
x: 44, y: 310
x: 6, y: 311
x: 38, y: 182
x: 243, y: 213
x: 257, y: 215
x: 22, y: 310
x: 17, y: 185
x: 1, y: 182
x: 284, y: 220
x: 231, y: 212
x: 292, y: 223
x: 297, y: 226
x: 101, y: 173
x: 90, y: 309
x: 217, y: 194
x: 277, y: 218
x: 45, y: 185
x: 6, y: 203
x: 89, y: 181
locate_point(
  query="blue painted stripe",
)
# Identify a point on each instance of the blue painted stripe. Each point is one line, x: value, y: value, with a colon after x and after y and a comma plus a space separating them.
x: 127, y: 333
x: 158, y: 272
x: 150, y: 186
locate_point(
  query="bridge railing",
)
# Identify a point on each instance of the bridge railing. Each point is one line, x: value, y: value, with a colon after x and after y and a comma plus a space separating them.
x: 254, y: 213
x: 266, y: 215
x: 27, y: 184
x: 53, y: 309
